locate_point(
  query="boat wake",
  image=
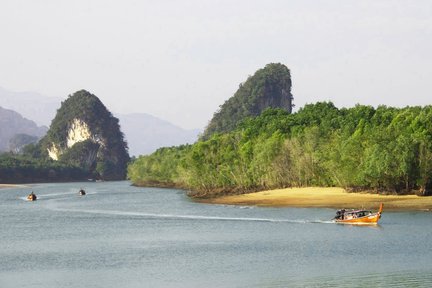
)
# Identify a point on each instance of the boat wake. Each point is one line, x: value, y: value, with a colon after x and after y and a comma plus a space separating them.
x: 54, y: 207
x: 51, y: 196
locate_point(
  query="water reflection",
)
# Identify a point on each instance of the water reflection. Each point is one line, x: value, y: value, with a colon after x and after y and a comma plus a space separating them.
x: 400, y: 279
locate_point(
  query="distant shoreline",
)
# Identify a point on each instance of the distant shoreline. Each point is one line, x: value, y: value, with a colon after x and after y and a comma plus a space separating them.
x: 326, y: 198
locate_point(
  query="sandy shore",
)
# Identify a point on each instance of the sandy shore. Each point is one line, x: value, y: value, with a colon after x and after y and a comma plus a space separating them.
x: 327, y: 197
x: 11, y: 185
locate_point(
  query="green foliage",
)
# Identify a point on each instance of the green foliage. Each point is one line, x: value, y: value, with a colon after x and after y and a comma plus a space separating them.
x: 32, y: 151
x: 269, y: 87
x: 82, y: 154
x: 105, y: 153
x: 162, y: 168
x: 383, y: 149
x: 24, y: 169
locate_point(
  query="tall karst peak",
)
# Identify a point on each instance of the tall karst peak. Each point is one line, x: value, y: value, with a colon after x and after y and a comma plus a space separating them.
x: 84, y: 133
x: 269, y: 87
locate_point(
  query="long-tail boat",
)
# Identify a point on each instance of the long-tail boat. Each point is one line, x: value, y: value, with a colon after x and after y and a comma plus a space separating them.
x: 31, y: 197
x: 358, y: 216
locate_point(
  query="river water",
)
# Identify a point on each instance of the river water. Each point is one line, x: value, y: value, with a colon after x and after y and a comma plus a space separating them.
x: 123, y: 236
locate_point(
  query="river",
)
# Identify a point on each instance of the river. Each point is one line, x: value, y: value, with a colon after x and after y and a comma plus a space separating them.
x: 124, y: 236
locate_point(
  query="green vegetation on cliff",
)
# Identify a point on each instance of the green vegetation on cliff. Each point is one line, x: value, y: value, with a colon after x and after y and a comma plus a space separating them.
x: 84, y: 141
x: 362, y: 148
x: 269, y: 87
x: 85, y: 134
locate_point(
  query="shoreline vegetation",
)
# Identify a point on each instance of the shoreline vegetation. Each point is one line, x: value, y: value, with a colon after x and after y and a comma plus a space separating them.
x: 388, y: 150
x: 254, y: 143
x: 325, y: 197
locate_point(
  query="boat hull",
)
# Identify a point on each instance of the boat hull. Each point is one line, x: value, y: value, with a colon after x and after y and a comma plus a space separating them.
x: 369, y: 219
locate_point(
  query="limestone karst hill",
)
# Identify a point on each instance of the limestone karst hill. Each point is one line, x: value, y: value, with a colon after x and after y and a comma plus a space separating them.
x: 84, y: 133
x: 269, y: 87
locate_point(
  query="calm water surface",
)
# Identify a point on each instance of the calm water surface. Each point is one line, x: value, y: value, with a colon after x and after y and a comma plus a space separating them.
x: 122, y: 236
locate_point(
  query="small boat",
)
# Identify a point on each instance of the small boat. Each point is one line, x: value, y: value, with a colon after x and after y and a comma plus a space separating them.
x: 358, y: 216
x: 82, y: 192
x: 31, y: 197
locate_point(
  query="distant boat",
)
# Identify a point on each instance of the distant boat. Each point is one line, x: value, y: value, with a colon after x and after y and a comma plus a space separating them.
x: 31, y: 197
x: 358, y: 216
x: 82, y: 192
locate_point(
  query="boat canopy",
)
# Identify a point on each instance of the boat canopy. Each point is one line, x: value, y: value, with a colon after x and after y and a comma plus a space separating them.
x: 353, y: 211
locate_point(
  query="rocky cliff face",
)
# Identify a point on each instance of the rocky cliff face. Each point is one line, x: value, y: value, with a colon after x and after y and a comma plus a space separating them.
x: 78, y: 131
x: 84, y: 133
x: 269, y: 87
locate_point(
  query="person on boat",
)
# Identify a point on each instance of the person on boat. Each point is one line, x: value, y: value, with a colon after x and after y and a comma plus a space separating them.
x: 31, y: 196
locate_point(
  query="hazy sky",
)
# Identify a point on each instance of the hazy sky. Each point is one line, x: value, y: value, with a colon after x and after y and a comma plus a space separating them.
x: 179, y: 60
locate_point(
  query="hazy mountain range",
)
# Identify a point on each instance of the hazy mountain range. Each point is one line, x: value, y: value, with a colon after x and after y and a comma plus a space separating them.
x: 143, y: 132
x: 146, y: 133
x: 34, y: 106
x: 13, y: 124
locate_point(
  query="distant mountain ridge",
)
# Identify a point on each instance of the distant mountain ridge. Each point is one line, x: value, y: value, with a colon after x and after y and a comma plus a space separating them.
x: 144, y: 133
x: 31, y: 105
x: 13, y: 123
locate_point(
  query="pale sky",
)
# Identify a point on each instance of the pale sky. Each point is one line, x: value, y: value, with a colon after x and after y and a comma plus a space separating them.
x: 180, y: 60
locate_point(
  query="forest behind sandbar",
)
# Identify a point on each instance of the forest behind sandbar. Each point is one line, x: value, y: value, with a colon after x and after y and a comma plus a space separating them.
x: 383, y: 149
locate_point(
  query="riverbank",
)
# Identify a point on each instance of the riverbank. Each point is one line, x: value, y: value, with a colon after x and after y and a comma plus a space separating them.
x: 325, y: 197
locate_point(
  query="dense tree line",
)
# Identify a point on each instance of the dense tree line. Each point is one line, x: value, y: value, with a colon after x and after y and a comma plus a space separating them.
x: 380, y: 149
x: 26, y: 169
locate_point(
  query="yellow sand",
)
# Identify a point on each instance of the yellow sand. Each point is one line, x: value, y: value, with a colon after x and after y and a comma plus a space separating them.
x: 11, y: 185
x: 327, y: 197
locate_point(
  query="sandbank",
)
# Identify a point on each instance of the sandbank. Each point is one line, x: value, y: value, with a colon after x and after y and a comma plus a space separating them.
x: 326, y: 197
x: 11, y: 186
